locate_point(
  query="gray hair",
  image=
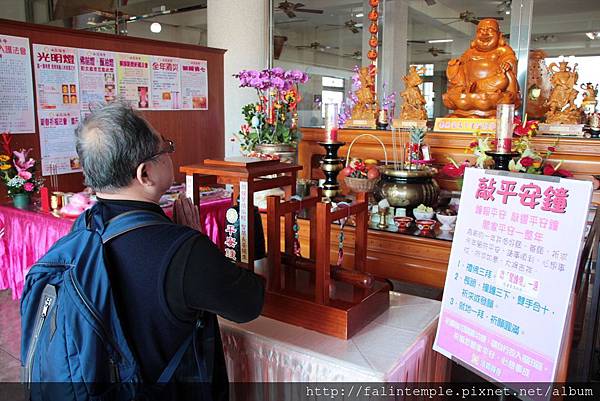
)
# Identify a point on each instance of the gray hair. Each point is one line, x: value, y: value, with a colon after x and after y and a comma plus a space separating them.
x: 111, y: 143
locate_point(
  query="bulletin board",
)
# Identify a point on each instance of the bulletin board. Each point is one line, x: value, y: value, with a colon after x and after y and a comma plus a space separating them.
x: 198, y: 134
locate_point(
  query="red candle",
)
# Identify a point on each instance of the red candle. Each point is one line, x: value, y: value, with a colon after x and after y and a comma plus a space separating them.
x: 504, y: 127
x: 331, y: 134
x: 45, y: 198
x: 331, y: 123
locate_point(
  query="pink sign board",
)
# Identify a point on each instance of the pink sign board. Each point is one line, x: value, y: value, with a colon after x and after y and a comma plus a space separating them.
x: 511, y: 273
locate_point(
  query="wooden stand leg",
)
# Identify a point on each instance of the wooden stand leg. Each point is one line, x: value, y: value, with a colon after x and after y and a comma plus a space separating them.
x: 274, y: 243
x: 360, y: 244
x: 323, y: 254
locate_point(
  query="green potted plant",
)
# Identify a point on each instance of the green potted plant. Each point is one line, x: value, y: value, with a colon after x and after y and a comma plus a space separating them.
x: 271, y: 123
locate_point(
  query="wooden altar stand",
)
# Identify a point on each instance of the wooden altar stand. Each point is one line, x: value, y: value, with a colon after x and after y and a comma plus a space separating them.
x: 311, y: 292
x: 247, y: 175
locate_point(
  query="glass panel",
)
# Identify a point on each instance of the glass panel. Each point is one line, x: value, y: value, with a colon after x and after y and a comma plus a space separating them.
x: 323, y: 38
x: 563, y: 31
x: 443, y: 31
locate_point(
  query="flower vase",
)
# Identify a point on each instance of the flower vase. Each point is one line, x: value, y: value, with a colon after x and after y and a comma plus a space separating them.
x: 21, y: 201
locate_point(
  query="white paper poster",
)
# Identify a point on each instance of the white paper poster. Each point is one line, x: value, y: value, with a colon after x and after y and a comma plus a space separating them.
x: 511, y: 272
x: 133, y: 79
x: 16, y: 86
x: 57, y: 88
x: 57, y: 141
x: 97, y: 78
x: 56, y: 78
x: 194, y: 84
x: 165, y: 87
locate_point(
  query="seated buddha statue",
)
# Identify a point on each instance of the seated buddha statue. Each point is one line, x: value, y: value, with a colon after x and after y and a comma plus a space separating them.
x: 484, y: 76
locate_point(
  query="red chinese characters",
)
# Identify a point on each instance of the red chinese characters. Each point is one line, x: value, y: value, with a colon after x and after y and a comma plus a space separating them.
x: 486, y: 189
x: 507, y: 188
x: 555, y: 200
x: 530, y: 195
x: 192, y: 68
x: 8, y: 49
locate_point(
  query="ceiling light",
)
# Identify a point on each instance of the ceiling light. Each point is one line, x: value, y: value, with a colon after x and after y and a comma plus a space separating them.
x: 360, y: 15
x: 155, y: 27
x: 507, y: 12
x: 440, y: 41
x: 591, y: 35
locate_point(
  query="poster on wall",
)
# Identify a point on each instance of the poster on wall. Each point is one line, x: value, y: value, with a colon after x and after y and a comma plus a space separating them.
x: 97, y: 78
x: 56, y: 78
x: 165, y: 84
x: 511, y: 274
x: 194, y: 84
x: 16, y: 86
x: 57, y: 141
x: 57, y: 89
x: 133, y: 79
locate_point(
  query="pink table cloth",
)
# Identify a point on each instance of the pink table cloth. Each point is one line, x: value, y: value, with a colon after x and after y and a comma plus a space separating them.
x: 25, y: 236
x: 394, y: 348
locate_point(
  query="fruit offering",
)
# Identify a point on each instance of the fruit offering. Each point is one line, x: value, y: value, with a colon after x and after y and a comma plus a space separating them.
x: 447, y: 212
x: 359, y: 169
x: 424, y: 209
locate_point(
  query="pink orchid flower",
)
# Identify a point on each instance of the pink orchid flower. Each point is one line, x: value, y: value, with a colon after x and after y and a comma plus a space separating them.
x: 21, y: 163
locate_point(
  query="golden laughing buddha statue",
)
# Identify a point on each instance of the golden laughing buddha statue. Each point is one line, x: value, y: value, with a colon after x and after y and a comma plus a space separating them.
x: 484, y: 76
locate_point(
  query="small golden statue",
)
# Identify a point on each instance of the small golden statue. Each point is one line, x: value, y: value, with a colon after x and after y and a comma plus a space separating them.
x: 366, y: 107
x: 561, y: 105
x: 414, y: 101
x: 590, y: 92
x: 589, y: 102
x: 484, y: 76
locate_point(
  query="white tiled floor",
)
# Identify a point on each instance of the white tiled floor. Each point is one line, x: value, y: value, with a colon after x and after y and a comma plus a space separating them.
x: 10, y: 338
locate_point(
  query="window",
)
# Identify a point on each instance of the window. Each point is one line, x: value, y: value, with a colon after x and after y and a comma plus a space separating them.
x: 333, y: 92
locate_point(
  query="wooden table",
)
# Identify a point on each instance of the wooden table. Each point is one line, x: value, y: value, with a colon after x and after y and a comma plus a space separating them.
x: 247, y: 175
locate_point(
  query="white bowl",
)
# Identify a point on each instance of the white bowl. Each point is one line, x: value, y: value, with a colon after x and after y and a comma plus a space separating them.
x: 422, y: 215
x: 447, y: 221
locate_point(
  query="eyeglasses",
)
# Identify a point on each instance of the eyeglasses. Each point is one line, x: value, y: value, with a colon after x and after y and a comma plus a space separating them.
x: 168, y: 146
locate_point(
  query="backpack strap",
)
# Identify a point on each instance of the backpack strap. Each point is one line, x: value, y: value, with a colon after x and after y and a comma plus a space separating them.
x: 173, y: 364
x: 129, y: 221
x: 203, y: 325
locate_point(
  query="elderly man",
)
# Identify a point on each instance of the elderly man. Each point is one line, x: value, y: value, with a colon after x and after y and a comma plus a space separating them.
x: 160, y: 282
x: 484, y: 76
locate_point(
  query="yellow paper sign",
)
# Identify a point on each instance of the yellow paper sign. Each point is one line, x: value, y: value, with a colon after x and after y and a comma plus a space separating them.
x: 399, y: 124
x: 467, y: 125
x: 360, y: 124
